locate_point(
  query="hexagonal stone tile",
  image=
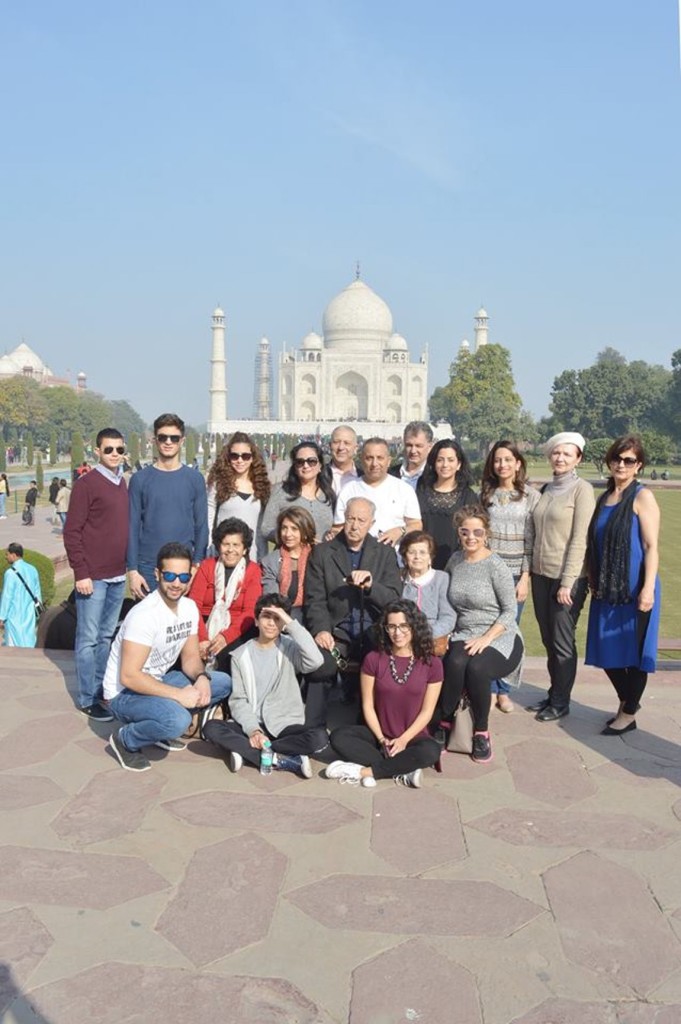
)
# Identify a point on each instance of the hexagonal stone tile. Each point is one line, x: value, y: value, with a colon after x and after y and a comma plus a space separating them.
x: 413, y: 983
x: 639, y: 771
x: 420, y: 836
x: 549, y: 772
x: 609, y: 922
x: 538, y: 827
x: 567, y: 1011
x: 412, y: 906
x: 61, y: 877
x: 26, y: 791
x: 460, y: 766
x: 117, y: 993
x: 47, y: 736
x: 46, y: 701
x: 111, y: 804
x: 226, y: 899
x: 24, y: 941
x: 262, y: 813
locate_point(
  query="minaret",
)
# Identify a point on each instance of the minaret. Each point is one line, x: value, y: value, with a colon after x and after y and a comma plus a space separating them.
x: 263, y: 381
x: 481, y: 328
x: 218, y: 384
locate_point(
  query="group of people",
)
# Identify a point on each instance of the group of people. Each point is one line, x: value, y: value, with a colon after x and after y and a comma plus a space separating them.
x: 402, y: 576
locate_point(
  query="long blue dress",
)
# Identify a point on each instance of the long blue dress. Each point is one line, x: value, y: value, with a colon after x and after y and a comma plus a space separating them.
x: 611, y: 639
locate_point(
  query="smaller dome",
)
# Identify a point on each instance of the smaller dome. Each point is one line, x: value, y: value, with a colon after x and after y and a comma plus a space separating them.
x: 8, y: 365
x: 465, y: 343
x: 311, y: 340
x: 218, y: 312
x: 482, y: 313
x: 397, y: 342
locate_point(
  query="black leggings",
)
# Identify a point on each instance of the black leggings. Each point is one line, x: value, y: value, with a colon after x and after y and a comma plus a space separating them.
x: 294, y: 739
x: 474, y: 673
x: 358, y: 744
x: 630, y: 682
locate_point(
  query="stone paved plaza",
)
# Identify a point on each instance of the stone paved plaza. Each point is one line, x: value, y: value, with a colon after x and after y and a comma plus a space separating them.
x: 544, y: 888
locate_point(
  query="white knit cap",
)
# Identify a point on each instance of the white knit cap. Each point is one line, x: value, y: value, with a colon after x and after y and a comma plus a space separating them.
x: 565, y: 437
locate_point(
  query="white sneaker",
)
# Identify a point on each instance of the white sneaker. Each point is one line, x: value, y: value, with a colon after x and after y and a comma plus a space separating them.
x: 236, y: 761
x: 368, y: 781
x: 305, y: 766
x: 344, y: 771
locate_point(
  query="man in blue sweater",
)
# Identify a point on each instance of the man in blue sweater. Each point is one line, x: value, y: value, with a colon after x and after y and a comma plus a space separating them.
x: 167, y: 503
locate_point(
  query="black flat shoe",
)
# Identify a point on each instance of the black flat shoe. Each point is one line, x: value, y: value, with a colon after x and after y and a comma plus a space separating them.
x: 551, y: 714
x: 609, y: 731
x: 538, y: 705
x: 614, y: 717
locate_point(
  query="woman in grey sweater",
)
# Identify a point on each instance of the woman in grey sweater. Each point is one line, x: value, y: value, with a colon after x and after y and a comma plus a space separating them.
x: 486, y: 643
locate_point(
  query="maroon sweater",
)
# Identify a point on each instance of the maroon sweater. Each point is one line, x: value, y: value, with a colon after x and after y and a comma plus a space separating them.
x: 96, y: 531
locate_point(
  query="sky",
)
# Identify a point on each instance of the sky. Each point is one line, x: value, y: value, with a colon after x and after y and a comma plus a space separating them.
x: 159, y: 158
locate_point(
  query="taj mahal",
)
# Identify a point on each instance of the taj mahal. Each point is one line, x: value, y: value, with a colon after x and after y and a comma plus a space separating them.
x: 358, y: 370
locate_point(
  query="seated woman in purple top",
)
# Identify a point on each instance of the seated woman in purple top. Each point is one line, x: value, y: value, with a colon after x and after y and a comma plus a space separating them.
x: 401, y: 684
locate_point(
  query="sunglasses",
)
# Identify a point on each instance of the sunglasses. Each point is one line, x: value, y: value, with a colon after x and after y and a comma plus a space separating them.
x: 169, y: 438
x: 244, y: 456
x: 311, y: 461
x: 109, y: 449
x: 465, y: 532
x: 170, y: 577
x: 626, y: 460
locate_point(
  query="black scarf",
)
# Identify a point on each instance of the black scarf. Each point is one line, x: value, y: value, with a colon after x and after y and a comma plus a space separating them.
x: 610, y: 580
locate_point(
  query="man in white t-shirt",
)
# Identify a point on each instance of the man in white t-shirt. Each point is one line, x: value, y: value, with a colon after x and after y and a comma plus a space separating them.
x: 154, y: 701
x: 397, y: 507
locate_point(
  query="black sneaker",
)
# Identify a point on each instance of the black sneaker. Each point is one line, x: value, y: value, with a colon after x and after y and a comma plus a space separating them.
x: 97, y: 712
x: 482, y: 748
x: 131, y: 760
x: 412, y: 779
x: 170, y: 744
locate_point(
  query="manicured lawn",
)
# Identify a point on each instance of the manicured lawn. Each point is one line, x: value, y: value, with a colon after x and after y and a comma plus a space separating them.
x: 670, y: 578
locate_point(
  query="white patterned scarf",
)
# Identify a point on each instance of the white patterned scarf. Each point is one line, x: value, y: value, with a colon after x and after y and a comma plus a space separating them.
x: 220, y: 617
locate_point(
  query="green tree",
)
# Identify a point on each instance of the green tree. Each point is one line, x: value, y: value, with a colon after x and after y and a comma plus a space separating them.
x: 39, y: 479
x: 125, y: 418
x: 206, y: 451
x: 674, y: 398
x: 53, y: 447
x: 480, y: 401
x: 77, y: 451
x: 218, y: 444
x: 3, y: 455
x: 22, y: 404
x: 29, y: 449
x: 133, y: 448
x: 594, y: 451
x: 658, y: 447
x: 190, y: 447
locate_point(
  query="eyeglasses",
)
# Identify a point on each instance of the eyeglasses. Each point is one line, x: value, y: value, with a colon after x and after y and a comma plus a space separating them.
x: 244, y: 456
x: 465, y: 532
x: 312, y: 460
x: 169, y: 438
x: 401, y: 627
x: 626, y: 460
x: 109, y: 449
x: 170, y: 577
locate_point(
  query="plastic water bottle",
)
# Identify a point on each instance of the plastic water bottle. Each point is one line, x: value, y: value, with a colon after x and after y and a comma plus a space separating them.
x: 266, y: 758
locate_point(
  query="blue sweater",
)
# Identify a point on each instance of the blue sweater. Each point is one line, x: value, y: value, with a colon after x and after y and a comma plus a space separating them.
x: 164, y: 507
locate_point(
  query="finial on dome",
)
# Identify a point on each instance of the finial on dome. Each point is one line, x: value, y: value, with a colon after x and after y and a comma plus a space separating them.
x: 357, y: 271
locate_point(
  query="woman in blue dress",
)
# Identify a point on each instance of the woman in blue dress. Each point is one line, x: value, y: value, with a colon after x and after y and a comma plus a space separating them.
x: 625, y: 591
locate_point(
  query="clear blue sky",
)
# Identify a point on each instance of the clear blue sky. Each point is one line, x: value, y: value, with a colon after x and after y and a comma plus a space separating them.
x: 158, y: 158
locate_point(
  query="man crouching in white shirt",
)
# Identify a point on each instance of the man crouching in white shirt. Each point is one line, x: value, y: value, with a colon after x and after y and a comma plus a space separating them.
x: 140, y: 685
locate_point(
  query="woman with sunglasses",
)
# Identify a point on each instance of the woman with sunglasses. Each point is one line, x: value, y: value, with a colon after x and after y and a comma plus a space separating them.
x: 400, y: 684
x: 283, y: 570
x: 444, y: 487
x: 510, y: 502
x: 306, y: 486
x: 485, y: 644
x: 623, y: 558
x: 225, y: 590
x: 238, y: 486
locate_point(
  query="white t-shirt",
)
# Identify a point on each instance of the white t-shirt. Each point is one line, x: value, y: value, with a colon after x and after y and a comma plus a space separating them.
x: 395, y: 502
x: 152, y: 624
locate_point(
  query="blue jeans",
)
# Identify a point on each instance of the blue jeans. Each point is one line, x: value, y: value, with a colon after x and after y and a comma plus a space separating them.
x: 150, y: 719
x: 3, y: 499
x: 498, y: 685
x: 146, y: 569
x: 97, y: 615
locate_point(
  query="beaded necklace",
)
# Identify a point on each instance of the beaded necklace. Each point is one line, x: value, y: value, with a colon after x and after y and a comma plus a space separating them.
x: 401, y: 680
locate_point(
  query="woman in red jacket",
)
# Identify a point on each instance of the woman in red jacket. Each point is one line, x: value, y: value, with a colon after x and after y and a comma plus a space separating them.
x: 225, y: 590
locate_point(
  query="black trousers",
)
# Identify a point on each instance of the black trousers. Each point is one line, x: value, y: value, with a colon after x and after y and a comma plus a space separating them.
x: 630, y: 682
x: 318, y: 683
x: 557, y: 625
x: 294, y: 739
x: 358, y: 744
x: 474, y: 673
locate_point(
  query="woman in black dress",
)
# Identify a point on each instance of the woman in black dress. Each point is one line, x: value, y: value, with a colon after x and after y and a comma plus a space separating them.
x: 443, y: 489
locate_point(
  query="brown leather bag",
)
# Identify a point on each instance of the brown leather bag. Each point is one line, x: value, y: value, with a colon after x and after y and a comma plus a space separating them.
x: 440, y: 645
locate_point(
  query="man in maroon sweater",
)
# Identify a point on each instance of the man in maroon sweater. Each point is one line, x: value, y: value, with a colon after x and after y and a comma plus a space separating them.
x: 96, y: 539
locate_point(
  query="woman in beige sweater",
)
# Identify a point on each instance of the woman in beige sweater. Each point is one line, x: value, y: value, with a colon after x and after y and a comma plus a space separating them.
x: 559, y: 581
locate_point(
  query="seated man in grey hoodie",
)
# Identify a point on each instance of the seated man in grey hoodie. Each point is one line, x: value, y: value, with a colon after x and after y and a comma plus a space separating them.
x: 265, y: 702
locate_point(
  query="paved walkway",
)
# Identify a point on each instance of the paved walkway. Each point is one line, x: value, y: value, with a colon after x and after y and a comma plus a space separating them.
x: 544, y: 887
x: 43, y: 536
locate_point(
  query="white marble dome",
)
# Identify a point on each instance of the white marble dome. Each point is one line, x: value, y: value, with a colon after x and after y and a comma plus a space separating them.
x: 357, y: 314
x: 398, y: 342
x: 311, y: 341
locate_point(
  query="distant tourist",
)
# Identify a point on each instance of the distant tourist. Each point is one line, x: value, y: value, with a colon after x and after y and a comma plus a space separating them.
x: 20, y: 597
x: 62, y: 503
x: 4, y: 494
x: 30, y: 503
